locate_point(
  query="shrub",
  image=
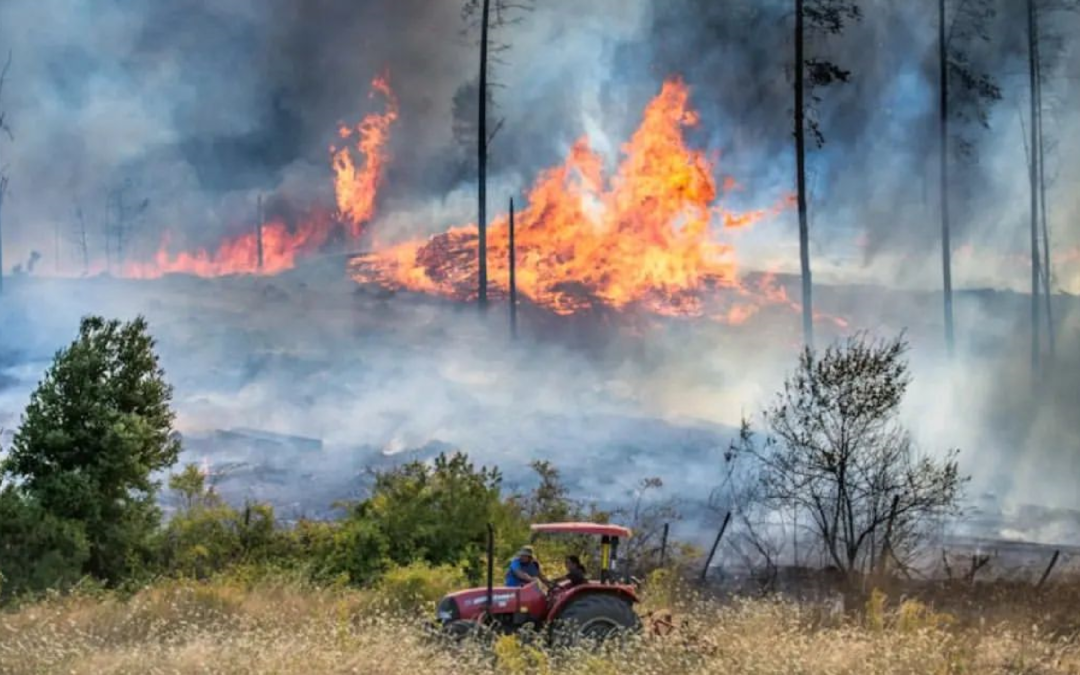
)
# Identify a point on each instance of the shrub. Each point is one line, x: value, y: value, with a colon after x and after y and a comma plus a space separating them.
x: 208, y: 536
x: 413, y: 586
x: 38, y: 551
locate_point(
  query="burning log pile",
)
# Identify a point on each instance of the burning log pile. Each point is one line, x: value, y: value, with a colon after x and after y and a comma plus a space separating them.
x: 641, y: 238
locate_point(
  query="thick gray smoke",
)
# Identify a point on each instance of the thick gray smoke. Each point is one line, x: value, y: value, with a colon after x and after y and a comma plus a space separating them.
x: 203, y: 104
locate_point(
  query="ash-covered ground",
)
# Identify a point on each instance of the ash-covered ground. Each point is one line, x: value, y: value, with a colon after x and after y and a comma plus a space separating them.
x: 292, y: 389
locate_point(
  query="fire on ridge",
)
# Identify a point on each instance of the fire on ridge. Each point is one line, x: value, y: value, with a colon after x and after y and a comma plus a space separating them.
x: 356, y: 185
x: 643, y: 237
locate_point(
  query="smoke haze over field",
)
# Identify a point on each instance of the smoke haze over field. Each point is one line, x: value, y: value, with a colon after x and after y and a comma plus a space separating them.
x: 203, y: 104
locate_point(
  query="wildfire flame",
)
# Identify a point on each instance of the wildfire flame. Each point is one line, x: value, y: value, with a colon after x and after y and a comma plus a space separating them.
x: 642, y: 237
x: 356, y: 187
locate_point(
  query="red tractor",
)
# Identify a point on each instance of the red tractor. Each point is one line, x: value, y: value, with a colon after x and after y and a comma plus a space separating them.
x: 595, y: 610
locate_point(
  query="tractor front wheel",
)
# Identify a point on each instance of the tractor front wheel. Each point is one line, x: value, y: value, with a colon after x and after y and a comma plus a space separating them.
x: 593, y: 619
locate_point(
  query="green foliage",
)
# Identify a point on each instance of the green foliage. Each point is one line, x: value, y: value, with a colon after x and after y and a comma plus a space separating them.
x: 191, y: 484
x: 209, y: 535
x: 356, y: 549
x: 549, y: 501
x: 37, y: 550
x: 437, y: 513
x: 97, y: 427
x: 418, y: 585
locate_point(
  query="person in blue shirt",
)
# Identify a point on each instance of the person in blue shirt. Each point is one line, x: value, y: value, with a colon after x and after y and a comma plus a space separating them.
x: 524, y: 569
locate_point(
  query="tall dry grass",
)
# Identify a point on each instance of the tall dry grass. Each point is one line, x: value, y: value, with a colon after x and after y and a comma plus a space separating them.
x: 231, y: 627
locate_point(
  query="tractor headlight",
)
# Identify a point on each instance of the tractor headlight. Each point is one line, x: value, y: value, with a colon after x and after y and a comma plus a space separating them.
x: 447, y: 610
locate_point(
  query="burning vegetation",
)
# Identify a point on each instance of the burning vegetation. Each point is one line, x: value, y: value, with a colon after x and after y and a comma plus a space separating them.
x: 646, y: 236
x: 643, y: 237
x: 272, y: 247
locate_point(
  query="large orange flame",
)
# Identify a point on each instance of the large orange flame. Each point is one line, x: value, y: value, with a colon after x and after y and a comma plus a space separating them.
x: 643, y: 237
x: 356, y: 188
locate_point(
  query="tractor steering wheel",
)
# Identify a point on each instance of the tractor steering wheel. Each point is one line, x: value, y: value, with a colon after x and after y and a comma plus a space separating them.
x: 554, y: 590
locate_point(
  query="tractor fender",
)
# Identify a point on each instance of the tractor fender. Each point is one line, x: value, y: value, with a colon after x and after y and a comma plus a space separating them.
x: 626, y: 593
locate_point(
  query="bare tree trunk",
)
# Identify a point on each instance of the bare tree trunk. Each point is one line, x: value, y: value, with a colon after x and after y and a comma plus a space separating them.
x: 800, y: 169
x: 259, y: 233
x: 121, y: 225
x: 513, y: 277
x: 1046, y: 270
x: 82, y: 244
x: 943, y: 149
x: 481, y: 156
x: 108, y: 234
x: 3, y: 189
x: 1033, y: 59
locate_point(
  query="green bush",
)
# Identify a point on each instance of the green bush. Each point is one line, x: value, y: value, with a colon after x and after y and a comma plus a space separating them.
x: 208, y: 536
x: 414, y: 586
x: 38, y: 551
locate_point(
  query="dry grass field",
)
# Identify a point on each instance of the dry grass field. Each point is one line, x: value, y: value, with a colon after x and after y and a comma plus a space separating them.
x: 230, y: 627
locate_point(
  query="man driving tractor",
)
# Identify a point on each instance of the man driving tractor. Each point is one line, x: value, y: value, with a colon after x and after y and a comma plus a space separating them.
x: 525, y: 569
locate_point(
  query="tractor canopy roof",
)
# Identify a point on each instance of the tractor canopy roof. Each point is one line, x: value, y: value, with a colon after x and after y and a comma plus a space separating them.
x: 594, y: 529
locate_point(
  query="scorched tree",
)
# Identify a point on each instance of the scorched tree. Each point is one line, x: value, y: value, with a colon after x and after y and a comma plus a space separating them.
x: 836, y: 455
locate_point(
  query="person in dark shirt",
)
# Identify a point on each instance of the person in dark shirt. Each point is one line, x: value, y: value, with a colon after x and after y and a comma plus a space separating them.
x: 575, y: 573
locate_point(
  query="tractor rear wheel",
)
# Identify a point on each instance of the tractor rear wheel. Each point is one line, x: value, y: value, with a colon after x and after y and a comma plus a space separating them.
x: 594, y: 618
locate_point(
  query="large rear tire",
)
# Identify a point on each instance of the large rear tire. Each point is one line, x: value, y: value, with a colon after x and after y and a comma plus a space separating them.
x: 594, y: 619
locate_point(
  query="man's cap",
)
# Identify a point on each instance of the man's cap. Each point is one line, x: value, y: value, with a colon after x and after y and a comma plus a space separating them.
x: 526, y: 550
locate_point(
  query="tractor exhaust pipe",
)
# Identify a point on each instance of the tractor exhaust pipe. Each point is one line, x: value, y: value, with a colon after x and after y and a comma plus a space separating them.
x: 490, y: 567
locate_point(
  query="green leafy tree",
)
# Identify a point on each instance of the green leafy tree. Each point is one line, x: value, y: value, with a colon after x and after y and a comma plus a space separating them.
x: 550, y: 500
x: 191, y: 485
x: 97, y: 428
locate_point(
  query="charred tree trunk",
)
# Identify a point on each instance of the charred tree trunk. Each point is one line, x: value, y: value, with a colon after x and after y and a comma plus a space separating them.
x: 943, y: 149
x: 259, y: 233
x: 481, y: 158
x: 800, y: 170
x: 82, y: 243
x: 513, y: 276
x: 1033, y: 166
x: 1046, y: 275
x: 3, y: 189
x: 107, y: 231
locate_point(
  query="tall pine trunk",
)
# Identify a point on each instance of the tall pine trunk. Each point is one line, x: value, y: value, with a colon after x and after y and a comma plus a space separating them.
x: 259, y: 234
x: 943, y: 174
x: 481, y: 157
x: 1033, y: 166
x: 3, y: 187
x: 1046, y: 269
x: 513, y: 276
x: 800, y: 170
